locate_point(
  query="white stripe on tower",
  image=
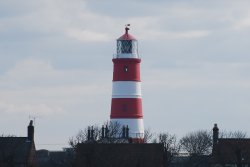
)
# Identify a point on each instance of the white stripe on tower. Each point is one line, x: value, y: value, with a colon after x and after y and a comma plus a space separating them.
x: 126, y: 89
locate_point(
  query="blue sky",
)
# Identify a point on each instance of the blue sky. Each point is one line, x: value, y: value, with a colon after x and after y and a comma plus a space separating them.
x: 55, y: 64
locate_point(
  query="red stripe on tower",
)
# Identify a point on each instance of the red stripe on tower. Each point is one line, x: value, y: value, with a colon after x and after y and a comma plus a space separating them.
x: 126, y: 108
x: 126, y: 105
x: 126, y: 69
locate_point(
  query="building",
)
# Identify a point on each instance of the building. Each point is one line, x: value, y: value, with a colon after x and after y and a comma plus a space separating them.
x: 190, y: 161
x: 230, y: 152
x: 122, y: 155
x: 18, y: 151
x: 63, y: 158
x: 126, y: 105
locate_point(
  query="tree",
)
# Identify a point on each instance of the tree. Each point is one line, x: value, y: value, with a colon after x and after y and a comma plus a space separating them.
x: 171, y: 146
x: 80, y: 137
x: 110, y: 132
x: 148, y: 136
x: 113, y: 132
x: 233, y: 134
x: 197, y: 143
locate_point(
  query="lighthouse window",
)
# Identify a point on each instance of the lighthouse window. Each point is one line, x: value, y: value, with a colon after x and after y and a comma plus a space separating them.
x: 126, y: 68
x: 126, y: 46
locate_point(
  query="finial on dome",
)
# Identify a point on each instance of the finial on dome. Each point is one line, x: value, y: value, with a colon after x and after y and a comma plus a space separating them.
x: 126, y: 36
x: 127, y: 28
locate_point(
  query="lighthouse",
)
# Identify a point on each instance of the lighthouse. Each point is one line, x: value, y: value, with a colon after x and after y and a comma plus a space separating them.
x: 126, y: 105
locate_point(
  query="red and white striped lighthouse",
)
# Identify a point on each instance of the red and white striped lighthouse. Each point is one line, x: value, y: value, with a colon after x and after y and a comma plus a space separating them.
x: 126, y: 107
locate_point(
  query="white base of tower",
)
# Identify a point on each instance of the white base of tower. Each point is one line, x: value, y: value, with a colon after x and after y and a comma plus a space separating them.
x: 136, y: 126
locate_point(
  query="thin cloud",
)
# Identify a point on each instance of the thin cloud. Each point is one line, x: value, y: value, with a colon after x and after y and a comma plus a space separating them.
x: 36, y: 87
x: 30, y: 109
x: 88, y: 36
x: 241, y: 24
x: 161, y: 35
x: 202, y: 75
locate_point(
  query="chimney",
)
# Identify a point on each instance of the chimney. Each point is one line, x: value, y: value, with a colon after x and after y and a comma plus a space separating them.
x: 127, y: 132
x: 106, y: 131
x: 123, y: 132
x: 31, y: 131
x: 103, y: 131
x: 92, y: 131
x: 88, y: 136
x: 215, y: 134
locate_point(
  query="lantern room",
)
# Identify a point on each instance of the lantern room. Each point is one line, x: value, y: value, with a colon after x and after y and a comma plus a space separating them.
x: 127, y: 46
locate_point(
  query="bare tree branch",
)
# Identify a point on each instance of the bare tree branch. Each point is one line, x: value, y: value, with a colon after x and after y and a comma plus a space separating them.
x: 80, y: 137
x: 233, y: 134
x: 113, y: 134
x: 198, y: 143
x: 171, y: 146
x: 148, y: 135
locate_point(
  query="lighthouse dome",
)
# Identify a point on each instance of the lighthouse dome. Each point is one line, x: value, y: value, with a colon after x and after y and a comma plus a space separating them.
x: 126, y: 36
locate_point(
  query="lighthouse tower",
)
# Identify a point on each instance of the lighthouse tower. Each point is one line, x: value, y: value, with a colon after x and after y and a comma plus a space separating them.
x: 126, y: 106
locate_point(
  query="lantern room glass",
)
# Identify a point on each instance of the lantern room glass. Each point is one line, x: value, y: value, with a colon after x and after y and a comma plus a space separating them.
x: 127, y: 47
